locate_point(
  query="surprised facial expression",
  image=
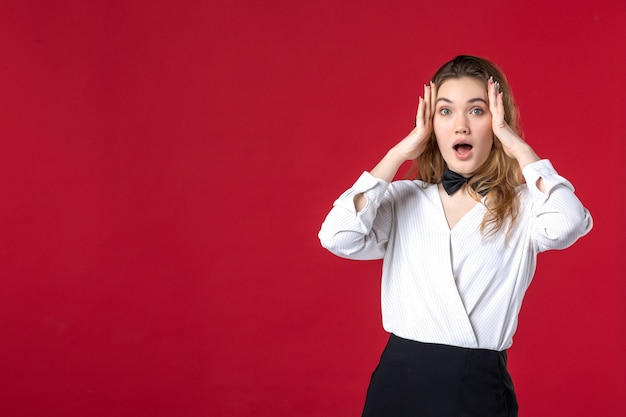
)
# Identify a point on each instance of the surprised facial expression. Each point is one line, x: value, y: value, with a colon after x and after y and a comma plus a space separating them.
x: 462, y: 124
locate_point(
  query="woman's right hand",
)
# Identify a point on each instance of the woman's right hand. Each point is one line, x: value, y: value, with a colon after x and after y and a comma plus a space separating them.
x: 408, y: 148
x: 415, y: 142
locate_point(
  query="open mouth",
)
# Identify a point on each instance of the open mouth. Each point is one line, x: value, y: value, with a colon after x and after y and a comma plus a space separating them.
x: 462, y: 148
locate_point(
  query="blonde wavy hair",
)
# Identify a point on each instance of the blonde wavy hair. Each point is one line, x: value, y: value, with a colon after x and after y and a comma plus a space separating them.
x: 499, y: 176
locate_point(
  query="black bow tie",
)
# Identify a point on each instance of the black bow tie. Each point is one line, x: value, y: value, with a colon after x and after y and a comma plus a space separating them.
x: 452, y: 181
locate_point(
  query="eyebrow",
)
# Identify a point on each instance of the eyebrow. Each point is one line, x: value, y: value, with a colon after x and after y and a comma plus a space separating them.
x: 472, y: 100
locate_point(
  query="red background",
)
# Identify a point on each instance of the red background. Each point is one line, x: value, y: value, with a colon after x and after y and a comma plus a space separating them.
x: 165, y: 167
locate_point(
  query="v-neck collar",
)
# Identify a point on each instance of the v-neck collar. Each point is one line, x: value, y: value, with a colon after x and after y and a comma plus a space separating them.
x: 463, y: 219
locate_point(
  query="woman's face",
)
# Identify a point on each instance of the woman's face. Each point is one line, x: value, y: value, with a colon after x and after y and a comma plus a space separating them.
x: 462, y: 124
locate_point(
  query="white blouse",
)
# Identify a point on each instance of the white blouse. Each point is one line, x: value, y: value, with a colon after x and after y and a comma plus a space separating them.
x: 453, y: 286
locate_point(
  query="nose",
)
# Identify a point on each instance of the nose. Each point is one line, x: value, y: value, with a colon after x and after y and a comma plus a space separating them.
x: 462, y: 127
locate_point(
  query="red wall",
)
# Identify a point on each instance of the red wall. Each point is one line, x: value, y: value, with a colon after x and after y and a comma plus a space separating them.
x: 165, y: 167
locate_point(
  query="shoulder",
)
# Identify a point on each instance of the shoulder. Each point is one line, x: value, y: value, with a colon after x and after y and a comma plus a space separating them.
x: 410, y: 190
x: 410, y: 185
x: 525, y: 203
x: 524, y: 196
x: 522, y: 191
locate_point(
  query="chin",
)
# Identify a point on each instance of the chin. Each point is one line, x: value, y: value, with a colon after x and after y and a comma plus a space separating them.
x: 465, y: 168
x: 462, y: 167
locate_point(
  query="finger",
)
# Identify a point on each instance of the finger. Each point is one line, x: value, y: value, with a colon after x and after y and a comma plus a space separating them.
x: 419, y: 117
x: 433, y: 97
x: 491, y: 93
x: 427, y: 100
x: 500, y: 106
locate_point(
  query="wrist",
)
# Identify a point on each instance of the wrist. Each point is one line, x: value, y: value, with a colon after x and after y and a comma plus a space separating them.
x: 524, y: 154
x: 397, y: 155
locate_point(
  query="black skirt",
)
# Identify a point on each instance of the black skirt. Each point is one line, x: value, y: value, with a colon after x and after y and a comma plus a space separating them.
x: 425, y: 379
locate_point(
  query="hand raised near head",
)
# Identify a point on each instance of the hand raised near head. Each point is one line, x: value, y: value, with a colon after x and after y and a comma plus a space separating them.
x: 415, y: 142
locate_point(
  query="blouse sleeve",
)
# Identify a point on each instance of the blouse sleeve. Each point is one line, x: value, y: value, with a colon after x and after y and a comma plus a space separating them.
x: 558, y: 217
x: 359, y: 235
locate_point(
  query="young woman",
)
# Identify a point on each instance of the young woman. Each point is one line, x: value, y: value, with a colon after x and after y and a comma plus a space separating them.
x: 459, y: 245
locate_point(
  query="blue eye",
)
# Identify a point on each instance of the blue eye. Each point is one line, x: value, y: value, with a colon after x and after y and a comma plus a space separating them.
x: 477, y: 111
x: 444, y: 111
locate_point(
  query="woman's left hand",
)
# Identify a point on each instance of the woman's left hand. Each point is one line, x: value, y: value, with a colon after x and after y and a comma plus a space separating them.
x: 514, y: 146
x: 509, y: 139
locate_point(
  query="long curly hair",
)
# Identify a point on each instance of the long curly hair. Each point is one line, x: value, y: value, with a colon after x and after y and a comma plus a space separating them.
x: 499, y: 176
